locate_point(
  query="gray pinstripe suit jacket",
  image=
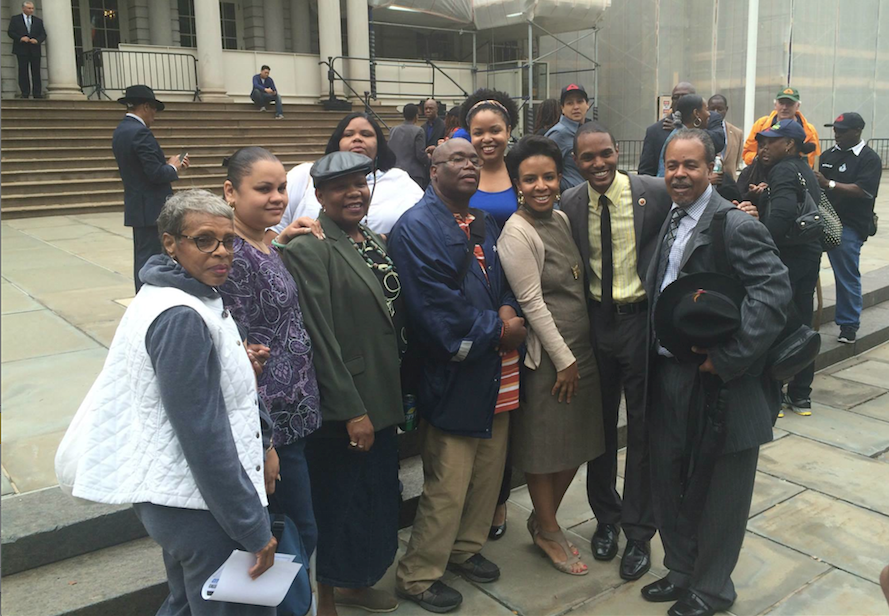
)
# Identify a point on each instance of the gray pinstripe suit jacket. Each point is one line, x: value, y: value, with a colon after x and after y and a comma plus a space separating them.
x: 754, y: 261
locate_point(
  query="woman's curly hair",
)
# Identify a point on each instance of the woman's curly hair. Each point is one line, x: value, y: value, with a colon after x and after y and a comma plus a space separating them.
x: 489, y: 99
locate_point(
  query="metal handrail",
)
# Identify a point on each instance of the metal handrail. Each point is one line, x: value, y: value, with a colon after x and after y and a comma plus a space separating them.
x: 115, y: 69
x: 332, y: 73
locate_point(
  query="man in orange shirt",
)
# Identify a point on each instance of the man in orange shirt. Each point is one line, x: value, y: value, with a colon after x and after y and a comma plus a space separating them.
x: 786, y: 108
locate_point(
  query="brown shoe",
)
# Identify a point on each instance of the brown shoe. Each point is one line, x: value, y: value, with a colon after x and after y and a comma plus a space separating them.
x: 369, y: 600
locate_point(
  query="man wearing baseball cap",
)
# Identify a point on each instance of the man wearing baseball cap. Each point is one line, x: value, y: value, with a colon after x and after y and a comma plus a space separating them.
x: 786, y: 108
x: 575, y: 104
x: 850, y: 176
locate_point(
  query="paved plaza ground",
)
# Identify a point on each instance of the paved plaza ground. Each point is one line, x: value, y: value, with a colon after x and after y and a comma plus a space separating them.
x: 819, y: 527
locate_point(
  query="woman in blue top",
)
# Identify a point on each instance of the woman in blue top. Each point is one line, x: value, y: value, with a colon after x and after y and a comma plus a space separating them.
x: 489, y: 116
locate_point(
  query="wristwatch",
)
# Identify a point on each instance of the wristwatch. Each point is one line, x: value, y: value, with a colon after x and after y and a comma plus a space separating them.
x: 831, y: 185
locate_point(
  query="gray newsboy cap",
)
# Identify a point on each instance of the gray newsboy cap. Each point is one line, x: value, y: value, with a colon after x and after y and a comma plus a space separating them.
x: 338, y: 164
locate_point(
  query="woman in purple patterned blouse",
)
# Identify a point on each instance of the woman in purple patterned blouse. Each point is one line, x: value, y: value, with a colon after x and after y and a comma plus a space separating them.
x: 262, y: 298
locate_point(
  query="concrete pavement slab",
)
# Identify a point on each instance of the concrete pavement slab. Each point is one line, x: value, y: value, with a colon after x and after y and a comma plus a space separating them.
x: 475, y: 601
x: 843, y: 535
x: 529, y: 584
x: 840, y: 393
x: 849, y: 431
x: 18, y: 264
x: 102, y: 331
x: 26, y: 335
x: 867, y: 372
x: 20, y: 243
x: 41, y: 222
x: 625, y: 600
x: 14, y: 300
x: 47, y: 280
x: 778, y: 433
x: 768, y: 491
x: 835, y: 594
x: 880, y: 353
x: 851, y: 477
x: 116, y: 261
x: 878, y: 408
x: 98, y: 240
x: 767, y: 572
x: 89, y: 305
x: 31, y: 462
x: 72, y: 231
x: 41, y: 395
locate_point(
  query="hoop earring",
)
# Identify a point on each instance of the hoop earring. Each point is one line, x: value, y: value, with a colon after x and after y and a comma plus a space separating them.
x: 558, y: 197
x: 697, y: 123
x: 521, y: 198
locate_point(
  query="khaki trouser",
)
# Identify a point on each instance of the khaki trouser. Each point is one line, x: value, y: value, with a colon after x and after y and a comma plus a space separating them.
x: 461, y: 482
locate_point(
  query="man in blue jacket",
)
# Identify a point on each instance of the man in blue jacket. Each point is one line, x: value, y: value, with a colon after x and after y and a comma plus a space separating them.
x: 264, y: 91
x: 575, y: 104
x: 464, y: 322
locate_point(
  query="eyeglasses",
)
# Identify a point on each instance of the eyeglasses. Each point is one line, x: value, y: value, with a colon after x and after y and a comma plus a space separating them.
x: 459, y: 161
x: 209, y: 244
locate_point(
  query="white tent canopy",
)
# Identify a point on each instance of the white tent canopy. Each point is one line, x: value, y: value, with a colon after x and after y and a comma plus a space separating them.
x: 554, y: 15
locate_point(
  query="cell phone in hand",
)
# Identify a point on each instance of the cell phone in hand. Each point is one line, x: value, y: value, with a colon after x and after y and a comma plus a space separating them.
x: 182, y: 156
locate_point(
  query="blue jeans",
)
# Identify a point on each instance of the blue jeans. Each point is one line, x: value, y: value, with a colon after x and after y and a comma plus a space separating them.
x: 844, y: 261
x: 261, y: 99
x: 294, y: 492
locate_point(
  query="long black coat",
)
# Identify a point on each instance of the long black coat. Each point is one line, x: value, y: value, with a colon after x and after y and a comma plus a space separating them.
x: 145, y: 173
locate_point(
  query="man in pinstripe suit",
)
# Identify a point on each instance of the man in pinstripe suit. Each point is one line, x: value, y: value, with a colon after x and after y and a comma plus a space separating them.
x: 700, y: 567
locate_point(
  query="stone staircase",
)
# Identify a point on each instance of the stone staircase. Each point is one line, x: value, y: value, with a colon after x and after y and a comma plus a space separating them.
x: 57, y: 159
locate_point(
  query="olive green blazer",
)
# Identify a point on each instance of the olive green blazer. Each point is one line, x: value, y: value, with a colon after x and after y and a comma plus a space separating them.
x: 353, y: 339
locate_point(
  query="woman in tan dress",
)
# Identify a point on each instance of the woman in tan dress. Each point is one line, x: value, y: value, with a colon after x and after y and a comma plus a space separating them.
x: 559, y: 424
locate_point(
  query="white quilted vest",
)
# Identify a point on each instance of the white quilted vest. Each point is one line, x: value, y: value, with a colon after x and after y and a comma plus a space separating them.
x: 121, y: 448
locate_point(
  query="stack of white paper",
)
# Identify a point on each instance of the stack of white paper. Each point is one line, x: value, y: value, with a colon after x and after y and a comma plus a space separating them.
x: 233, y: 584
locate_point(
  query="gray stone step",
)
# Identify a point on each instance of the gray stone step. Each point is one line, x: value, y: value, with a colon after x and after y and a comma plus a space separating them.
x: 124, y: 580
x: 48, y: 526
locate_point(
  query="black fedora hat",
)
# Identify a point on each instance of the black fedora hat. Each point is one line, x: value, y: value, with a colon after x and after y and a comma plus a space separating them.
x: 699, y: 310
x: 140, y: 94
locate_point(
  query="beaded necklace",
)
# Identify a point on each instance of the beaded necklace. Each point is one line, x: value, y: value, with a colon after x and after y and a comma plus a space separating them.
x: 370, y: 245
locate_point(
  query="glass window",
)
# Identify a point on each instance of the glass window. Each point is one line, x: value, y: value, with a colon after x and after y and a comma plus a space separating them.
x: 186, y: 24
x: 104, y: 23
x: 229, y: 25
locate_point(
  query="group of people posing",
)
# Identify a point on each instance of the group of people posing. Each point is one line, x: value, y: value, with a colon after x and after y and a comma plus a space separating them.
x: 276, y: 332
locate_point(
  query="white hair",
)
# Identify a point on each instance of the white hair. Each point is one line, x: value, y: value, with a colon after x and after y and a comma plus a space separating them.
x: 172, y: 218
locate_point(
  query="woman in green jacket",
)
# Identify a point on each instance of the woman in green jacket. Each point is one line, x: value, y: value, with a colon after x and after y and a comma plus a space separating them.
x: 350, y: 296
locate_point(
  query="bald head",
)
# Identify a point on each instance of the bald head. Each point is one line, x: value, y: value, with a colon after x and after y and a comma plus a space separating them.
x: 430, y: 109
x: 682, y: 88
x: 449, y: 147
x: 455, y: 172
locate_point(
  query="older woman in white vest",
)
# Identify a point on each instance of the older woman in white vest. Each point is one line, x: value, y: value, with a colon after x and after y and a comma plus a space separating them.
x: 172, y: 424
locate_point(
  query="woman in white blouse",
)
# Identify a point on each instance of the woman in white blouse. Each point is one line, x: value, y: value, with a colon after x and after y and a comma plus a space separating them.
x: 559, y: 424
x: 393, y: 192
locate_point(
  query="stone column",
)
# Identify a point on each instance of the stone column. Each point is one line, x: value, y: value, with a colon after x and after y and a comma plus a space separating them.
x: 273, y: 15
x: 160, y: 23
x: 329, y: 41
x: 60, y: 63
x: 358, y: 33
x: 208, y: 31
x: 300, y: 28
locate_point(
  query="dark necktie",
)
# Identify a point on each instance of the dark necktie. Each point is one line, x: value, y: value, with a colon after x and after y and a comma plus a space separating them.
x: 28, y: 24
x: 667, y: 246
x: 607, y: 260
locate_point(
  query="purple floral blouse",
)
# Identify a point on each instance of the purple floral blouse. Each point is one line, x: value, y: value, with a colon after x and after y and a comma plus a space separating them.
x: 262, y: 298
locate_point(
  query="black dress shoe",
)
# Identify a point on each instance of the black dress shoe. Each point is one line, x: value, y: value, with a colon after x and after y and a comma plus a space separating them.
x: 438, y: 598
x: 604, y: 542
x: 662, y: 591
x: 636, y: 560
x: 497, y: 532
x: 691, y: 605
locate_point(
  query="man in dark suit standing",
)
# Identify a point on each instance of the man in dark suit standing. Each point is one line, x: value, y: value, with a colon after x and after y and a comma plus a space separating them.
x: 147, y: 176
x: 408, y: 142
x: 27, y: 34
x: 701, y: 560
x: 434, y: 126
x: 656, y: 134
x: 615, y: 219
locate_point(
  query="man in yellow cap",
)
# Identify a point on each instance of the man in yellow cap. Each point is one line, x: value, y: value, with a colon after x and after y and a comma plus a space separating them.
x: 786, y: 108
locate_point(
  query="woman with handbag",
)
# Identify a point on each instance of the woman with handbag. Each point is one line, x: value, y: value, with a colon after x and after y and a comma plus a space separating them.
x: 350, y: 296
x: 782, y: 148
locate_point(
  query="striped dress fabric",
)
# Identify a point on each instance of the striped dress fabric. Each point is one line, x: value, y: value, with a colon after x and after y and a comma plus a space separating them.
x: 508, y: 396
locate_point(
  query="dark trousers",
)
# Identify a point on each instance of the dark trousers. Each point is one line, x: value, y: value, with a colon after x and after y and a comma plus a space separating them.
x: 294, y: 492
x: 704, y: 563
x: 29, y: 75
x: 803, y: 278
x: 621, y: 354
x: 261, y: 99
x: 146, y: 244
